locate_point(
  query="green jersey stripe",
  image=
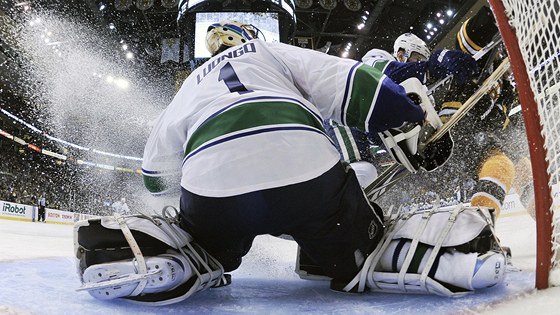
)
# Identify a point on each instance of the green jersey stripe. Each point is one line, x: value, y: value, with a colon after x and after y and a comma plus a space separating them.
x: 154, y: 184
x: 347, y: 144
x: 381, y: 65
x: 251, y: 115
x: 363, y: 95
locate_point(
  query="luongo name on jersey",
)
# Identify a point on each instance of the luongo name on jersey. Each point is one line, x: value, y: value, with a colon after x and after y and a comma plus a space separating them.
x: 261, y: 106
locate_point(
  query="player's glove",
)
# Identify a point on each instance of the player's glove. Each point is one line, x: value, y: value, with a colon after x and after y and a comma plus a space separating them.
x: 436, y: 153
x: 448, y: 109
x: 444, y: 62
x: 405, y: 147
x: 406, y: 143
x: 402, y: 145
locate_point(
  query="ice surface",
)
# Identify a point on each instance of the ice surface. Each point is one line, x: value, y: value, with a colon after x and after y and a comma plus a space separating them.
x: 37, y: 274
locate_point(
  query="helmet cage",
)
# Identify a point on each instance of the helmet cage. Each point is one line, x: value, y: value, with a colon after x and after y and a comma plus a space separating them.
x: 228, y: 34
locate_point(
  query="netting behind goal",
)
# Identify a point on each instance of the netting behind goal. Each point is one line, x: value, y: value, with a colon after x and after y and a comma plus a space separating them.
x: 531, y: 32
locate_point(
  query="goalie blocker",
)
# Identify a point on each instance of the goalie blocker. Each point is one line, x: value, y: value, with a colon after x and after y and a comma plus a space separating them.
x: 407, y: 144
x: 450, y: 251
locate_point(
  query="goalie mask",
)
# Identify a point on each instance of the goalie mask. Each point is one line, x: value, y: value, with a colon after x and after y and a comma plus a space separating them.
x: 226, y: 34
x: 410, y: 44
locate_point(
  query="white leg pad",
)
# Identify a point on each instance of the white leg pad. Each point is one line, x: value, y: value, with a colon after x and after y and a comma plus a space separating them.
x: 365, y: 172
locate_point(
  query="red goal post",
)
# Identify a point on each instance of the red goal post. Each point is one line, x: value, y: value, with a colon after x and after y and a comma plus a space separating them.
x: 530, y: 31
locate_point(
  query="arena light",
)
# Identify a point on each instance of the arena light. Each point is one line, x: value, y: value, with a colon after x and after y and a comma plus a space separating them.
x: 122, y: 5
x: 449, y: 12
x: 121, y: 83
x: 328, y: 4
x: 353, y: 5
x: 169, y: 4
x: 304, y: 4
x: 144, y: 4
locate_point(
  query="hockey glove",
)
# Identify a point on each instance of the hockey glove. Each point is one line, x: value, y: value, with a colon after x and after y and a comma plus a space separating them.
x: 402, y: 145
x: 437, y: 153
x: 448, y: 109
x: 445, y: 62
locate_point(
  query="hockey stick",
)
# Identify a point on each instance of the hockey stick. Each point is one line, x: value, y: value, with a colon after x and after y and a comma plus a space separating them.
x: 389, y: 177
x: 462, y: 111
x: 386, y: 180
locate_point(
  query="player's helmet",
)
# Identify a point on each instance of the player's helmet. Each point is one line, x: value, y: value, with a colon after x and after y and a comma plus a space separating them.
x: 410, y: 43
x: 228, y: 34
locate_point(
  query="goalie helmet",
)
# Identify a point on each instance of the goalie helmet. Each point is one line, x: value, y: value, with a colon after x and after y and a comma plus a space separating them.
x: 410, y: 43
x: 228, y: 34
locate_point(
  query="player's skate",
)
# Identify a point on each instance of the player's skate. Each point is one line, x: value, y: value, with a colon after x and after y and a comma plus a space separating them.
x: 147, y: 259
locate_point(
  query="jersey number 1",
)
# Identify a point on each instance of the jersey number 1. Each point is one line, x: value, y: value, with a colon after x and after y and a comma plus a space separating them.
x: 228, y: 75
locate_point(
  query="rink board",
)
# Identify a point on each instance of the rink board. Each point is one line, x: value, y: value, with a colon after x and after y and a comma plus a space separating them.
x: 47, y: 286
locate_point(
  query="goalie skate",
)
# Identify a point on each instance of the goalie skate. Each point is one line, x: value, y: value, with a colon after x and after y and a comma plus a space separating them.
x: 120, y: 279
x: 145, y: 259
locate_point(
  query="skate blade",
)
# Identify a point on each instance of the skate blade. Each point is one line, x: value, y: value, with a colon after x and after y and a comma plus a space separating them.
x: 119, y: 279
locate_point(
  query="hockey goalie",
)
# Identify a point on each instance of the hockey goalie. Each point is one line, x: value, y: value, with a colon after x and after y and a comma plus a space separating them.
x: 245, y: 135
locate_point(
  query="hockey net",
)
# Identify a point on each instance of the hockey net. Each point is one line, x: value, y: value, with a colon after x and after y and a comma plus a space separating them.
x: 530, y: 31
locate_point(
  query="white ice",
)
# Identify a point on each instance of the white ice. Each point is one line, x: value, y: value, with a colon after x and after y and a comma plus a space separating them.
x: 273, y: 258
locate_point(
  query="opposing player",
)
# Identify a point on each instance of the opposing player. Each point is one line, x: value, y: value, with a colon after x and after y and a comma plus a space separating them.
x: 412, y: 58
x: 484, y: 150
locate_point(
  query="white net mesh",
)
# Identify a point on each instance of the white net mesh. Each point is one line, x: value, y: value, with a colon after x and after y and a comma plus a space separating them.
x: 537, y: 26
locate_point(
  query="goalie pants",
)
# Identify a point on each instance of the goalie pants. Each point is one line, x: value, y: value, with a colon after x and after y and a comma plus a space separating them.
x: 329, y: 217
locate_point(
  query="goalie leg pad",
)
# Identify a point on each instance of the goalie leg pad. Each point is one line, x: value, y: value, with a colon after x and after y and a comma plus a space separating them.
x: 150, y: 255
x: 365, y: 172
x: 455, y: 270
x: 445, y: 251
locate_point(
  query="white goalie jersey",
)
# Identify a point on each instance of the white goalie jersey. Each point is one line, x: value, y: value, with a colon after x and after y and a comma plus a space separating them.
x: 261, y: 106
